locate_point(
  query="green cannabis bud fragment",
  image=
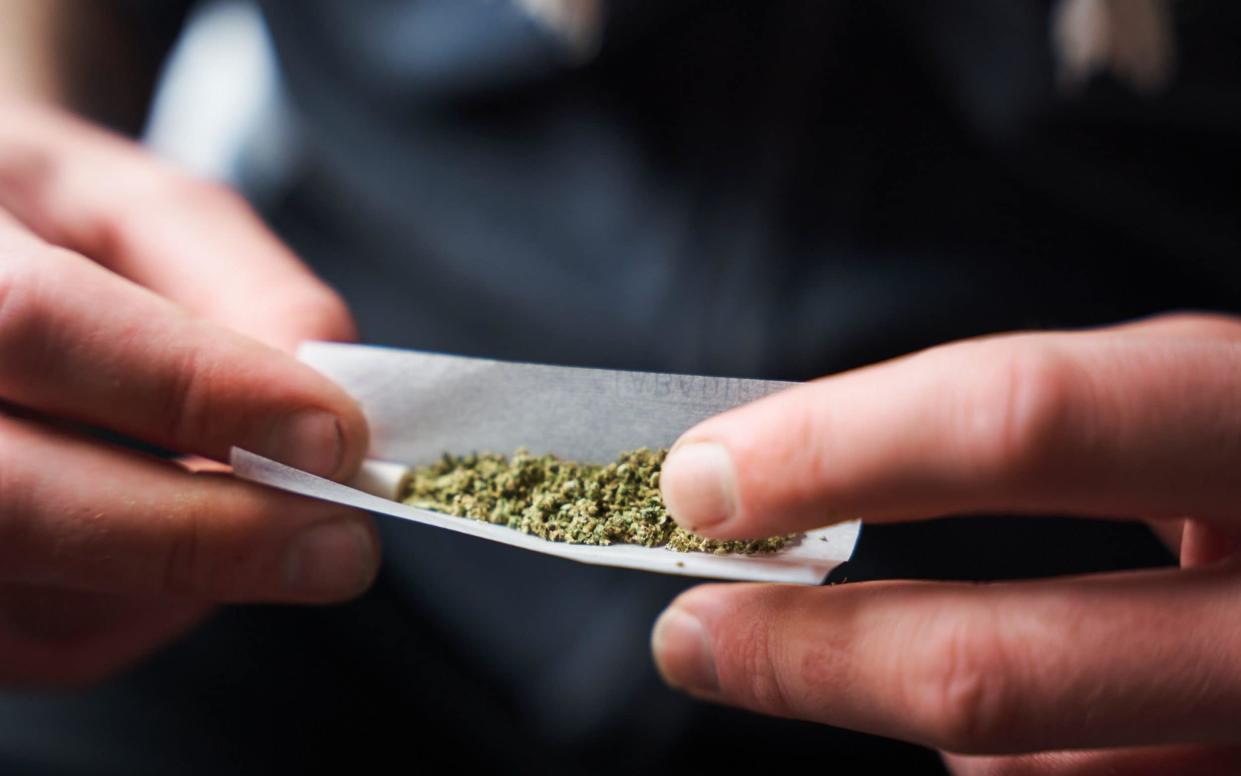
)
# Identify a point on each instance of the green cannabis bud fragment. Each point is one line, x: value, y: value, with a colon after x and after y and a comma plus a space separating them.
x: 566, y: 501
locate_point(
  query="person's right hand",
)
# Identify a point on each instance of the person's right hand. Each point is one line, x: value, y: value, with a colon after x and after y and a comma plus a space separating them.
x: 137, y: 300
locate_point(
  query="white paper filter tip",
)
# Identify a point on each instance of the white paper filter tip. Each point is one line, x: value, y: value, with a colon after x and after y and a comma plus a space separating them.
x: 421, y: 405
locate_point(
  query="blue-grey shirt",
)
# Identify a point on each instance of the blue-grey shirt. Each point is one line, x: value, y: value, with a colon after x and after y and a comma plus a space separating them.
x: 782, y: 188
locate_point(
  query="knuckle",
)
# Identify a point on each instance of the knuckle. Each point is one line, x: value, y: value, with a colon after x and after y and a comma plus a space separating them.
x: 176, y: 400
x: 960, y: 689
x: 119, y: 227
x: 1198, y: 324
x: 15, y: 301
x: 808, y: 434
x: 1016, y: 415
x: 30, y: 175
x: 200, y: 552
x: 200, y: 194
x: 27, y: 325
x: 124, y: 224
x: 185, y: 565
x: 785, y: 434
x: 1181, y: 318
x: 757, y: 671
x: 184, y: 397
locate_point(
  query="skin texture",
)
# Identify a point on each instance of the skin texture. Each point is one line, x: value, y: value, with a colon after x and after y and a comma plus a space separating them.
x: 1064, y: 676
x: 138, y: 301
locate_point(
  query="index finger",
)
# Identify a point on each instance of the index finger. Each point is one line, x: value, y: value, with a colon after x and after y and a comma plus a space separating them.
x: 81, y: 343
x: 191, y: 241
x: 1106, y: 424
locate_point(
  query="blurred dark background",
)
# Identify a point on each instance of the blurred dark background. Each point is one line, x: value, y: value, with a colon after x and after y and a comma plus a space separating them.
x: 778, y: 189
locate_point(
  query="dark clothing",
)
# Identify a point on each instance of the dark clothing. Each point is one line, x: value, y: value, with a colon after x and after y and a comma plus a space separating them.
x: 784, y: 188
x: 771, y: 189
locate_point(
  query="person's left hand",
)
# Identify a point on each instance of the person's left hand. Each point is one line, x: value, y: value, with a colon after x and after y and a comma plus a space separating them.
x: 1134, y: 672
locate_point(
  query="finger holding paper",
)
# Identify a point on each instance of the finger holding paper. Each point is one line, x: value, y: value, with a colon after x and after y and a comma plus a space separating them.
x: 1138, y: 422
x: 97, y: 528
x: 81, y: 344
x: 1117, y: 423
x: 421, y: 406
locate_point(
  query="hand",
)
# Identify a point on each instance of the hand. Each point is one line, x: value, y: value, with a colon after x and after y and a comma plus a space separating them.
x: 1140, y: 421
x: 136, y: 300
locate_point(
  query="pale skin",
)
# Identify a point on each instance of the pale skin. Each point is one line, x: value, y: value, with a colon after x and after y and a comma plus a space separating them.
x: 138, y: 300
x: 1140, y: 421
x: 135, y: 299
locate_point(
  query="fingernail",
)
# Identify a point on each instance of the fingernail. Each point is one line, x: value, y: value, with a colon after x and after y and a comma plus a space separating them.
x: 683, y: 652
x: 699, y: 485
x: 310, y: 440
x: 330, y: 559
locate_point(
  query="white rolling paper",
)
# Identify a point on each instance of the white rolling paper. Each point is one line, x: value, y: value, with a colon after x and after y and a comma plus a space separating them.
x: 421, y: 405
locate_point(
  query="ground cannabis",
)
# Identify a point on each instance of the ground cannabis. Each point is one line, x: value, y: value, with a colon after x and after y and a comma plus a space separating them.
x: 566, y: 501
